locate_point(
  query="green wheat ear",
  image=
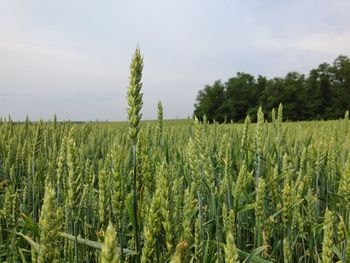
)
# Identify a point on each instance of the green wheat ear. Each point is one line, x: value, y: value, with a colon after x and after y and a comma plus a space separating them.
x: 231, y: 253
x: 135, y: 104
x: 109, y: 253
x: 50, y: 225
x: 160, y: 119
x: 134, y: 96
x: 327, y: 248
x: 179, y: 252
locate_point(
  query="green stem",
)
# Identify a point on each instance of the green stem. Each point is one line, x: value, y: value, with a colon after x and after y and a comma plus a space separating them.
x: 135, y: 208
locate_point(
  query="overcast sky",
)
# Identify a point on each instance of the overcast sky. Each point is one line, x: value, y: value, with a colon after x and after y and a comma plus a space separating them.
x: 71, y: 58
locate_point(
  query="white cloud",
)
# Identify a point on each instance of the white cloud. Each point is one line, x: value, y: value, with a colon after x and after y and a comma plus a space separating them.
x: 325, y: 43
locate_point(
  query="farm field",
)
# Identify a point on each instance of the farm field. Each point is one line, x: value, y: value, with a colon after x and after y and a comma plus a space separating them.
x: 255, y: 192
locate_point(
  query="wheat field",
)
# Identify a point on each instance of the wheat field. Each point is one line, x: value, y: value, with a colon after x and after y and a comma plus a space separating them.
x: 275, y: 192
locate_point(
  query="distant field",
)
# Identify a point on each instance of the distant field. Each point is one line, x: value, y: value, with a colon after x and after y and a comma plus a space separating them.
x: 147, y: 122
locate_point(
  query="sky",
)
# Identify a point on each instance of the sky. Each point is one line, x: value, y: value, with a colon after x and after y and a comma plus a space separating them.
x: 71, y: 58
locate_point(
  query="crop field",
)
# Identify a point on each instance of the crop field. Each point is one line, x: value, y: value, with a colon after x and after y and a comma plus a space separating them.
x: 265, y: 192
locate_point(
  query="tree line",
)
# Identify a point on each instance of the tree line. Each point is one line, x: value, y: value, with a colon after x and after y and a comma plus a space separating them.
x: 322, y: 94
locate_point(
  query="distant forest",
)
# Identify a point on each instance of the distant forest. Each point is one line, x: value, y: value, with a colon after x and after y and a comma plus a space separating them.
x: 323, y: 94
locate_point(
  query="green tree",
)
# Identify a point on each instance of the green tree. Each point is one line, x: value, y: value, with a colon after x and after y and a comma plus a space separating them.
x: 211, y: 102
x: 241, y: 95
x: 323, y: 94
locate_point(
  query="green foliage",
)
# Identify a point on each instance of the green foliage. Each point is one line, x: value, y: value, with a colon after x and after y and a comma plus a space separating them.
x: 323, y: 94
